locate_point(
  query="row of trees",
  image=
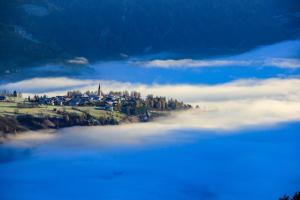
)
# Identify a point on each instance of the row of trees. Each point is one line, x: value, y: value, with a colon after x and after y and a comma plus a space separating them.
x: 141, y: 106
x: 8, y: 93
x: 162, y: 103
x: 295, y: 197
x: 133, y: 94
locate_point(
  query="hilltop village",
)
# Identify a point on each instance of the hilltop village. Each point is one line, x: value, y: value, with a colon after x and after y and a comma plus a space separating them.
x: 77, y: 108
x: 130, y: 104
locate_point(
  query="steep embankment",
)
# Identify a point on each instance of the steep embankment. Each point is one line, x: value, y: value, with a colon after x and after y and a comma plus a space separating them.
x: 10, y: 124
x: 21, y: 123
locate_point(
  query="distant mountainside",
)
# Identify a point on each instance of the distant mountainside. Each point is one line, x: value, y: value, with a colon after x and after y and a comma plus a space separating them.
x: 47, y: 31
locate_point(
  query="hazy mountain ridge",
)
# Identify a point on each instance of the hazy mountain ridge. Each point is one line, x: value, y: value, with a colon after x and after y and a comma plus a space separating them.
x: 107, y: 28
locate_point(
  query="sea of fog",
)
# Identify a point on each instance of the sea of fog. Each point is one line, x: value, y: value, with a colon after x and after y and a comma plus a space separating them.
x: 241, y: 143
x: 151, y: 161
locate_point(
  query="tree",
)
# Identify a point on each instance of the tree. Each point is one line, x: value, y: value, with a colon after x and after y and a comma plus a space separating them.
x: 125, y: 93
x: 15, y: 94
x: 88, y: 92
x: 296, y: 196
x: 284, y: 197
x: 135, y: 95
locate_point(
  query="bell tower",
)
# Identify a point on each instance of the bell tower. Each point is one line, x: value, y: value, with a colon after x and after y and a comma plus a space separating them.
x: 99, y: 90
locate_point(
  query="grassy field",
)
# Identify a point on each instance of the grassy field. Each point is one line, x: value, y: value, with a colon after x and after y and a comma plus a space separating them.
x: 99, y: 113
x: 11, y: 108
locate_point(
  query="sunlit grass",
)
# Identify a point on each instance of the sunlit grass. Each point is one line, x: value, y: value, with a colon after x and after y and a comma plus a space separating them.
x: 100, y: 113
x: 11, y: 108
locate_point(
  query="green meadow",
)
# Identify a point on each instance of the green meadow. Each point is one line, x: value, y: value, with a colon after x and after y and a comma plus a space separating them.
x: 13, y: 109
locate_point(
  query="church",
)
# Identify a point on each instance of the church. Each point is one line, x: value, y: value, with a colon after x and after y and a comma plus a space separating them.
x: 99, y: 92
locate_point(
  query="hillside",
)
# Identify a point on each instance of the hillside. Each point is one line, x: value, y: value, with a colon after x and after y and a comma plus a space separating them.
x: 34, y: 32
x: 15, y: 118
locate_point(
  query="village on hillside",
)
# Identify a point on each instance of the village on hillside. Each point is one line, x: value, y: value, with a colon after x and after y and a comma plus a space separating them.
x: 90, y: 108
x: 124, y: 102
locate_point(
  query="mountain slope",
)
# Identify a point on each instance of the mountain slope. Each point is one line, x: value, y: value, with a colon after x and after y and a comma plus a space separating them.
x: 41, y: 31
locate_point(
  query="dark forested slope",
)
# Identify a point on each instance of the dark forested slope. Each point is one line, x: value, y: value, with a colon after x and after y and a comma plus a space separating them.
x: 41, y: 31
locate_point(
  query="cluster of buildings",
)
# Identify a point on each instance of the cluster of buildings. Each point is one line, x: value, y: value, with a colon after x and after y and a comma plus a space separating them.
x: 102, y: 101
x: 129, y: 104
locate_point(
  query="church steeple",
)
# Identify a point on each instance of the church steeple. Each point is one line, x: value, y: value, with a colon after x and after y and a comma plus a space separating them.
x: 99, y: 90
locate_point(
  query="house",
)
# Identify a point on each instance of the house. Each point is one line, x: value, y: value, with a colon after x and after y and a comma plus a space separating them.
x: 94, y: 97
x: 85, y: 96
x: 46, y: 101
x: 74, y: 102
x: 84, y: 101
x: 76, y: 96
x: 58, y: 102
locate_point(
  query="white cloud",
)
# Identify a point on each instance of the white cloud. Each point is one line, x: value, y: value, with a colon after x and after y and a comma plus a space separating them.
x: 281, y: 55
x: 190, y: 63
x: 37, y: 85
x: 78, y: 61
x: 231, y: 105
x: 283, y: 62
x: 230, y: 115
